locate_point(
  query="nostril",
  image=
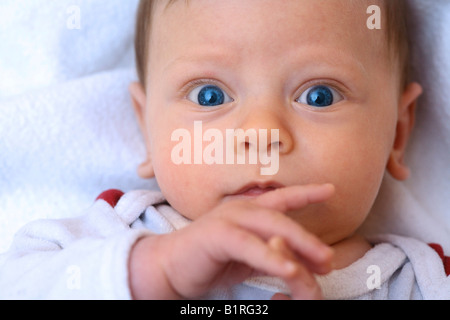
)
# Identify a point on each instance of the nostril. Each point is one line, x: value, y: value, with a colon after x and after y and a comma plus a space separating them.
x: 277, y: 144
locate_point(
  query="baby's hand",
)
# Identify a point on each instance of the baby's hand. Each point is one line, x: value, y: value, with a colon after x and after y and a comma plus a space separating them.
x: 236, y: 240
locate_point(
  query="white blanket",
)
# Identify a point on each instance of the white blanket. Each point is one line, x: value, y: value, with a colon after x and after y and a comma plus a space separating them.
x: 67, y: 129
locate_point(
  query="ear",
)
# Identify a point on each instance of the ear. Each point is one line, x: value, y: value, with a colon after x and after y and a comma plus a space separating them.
x: 139, y: 101
x: 405, y: 124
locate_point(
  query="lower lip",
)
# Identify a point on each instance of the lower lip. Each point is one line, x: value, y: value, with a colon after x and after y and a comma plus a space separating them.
x: 254, y: 192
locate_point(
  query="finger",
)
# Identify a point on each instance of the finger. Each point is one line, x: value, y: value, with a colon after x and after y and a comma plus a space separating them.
x: 295, y: 197
x: 246, y: 248
x: 278, y: 244
x: 303, y: 285
x: 280, y: 296
x: 302, y: 282
x: 307, y: 247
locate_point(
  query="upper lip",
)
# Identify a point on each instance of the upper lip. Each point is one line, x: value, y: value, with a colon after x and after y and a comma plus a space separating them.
x: 259, y: 185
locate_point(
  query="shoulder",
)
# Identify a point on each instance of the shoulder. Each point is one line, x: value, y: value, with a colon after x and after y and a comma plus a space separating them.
x: 419, y: 252
x: 445, y: 259
x: 129, y: 206
x: 428, y: 262
x: 111, y: 196
x: 144, y: 209
x: 112, y: 210
x: 395, y: 268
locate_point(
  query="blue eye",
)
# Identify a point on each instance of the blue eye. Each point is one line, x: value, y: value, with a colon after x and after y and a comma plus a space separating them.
x: 320, y: 97
x: 209, y: 96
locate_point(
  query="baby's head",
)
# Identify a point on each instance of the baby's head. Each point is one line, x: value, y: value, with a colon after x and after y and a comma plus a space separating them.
x: 330, y: 93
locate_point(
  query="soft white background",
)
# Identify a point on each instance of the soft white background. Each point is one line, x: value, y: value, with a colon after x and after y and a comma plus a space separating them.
x: 67, y: 130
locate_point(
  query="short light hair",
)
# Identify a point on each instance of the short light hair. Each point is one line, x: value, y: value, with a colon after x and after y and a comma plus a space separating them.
x: 395, y: 25
x: 397, y: 36
x: 142, y: 38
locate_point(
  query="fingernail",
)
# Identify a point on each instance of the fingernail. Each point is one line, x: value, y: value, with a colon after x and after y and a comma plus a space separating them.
x: 330, y: 186
x: 327, y: 253
x: 328, y: 258
x: 290, y: 267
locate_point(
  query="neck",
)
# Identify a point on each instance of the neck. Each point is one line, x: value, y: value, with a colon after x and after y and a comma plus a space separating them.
x: 350, y: 250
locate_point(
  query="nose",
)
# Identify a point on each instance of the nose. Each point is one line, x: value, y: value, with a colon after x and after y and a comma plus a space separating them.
x: 265, y: 128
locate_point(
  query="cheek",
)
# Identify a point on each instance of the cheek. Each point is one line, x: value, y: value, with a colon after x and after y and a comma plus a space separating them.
x: 189, y: 189
x: 354, y: 160
x: 356, y: 169
x: 359, y: 177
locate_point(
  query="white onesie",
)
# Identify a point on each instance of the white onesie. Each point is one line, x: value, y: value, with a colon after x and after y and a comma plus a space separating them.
x: 87, y: 258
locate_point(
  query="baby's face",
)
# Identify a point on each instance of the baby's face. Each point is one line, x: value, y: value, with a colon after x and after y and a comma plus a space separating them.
x: 310, y: 70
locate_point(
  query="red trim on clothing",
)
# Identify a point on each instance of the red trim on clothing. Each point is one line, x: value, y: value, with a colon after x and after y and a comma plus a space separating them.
x: 111, y: 196
x: 440, y: 252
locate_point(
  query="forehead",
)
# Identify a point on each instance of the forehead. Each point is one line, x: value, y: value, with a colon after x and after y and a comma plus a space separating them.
x: 264, y: 27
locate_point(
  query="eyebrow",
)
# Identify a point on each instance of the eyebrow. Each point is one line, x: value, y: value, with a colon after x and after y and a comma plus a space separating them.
x: 170, y: 2
x: 338, y: 61
x: 201, y: 58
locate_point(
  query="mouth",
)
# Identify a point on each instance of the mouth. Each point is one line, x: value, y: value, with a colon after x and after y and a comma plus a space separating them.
x: 255, y: 189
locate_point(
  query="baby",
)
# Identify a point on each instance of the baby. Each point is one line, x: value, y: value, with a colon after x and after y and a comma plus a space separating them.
x: 305, y: 83
x: 334, y: 89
